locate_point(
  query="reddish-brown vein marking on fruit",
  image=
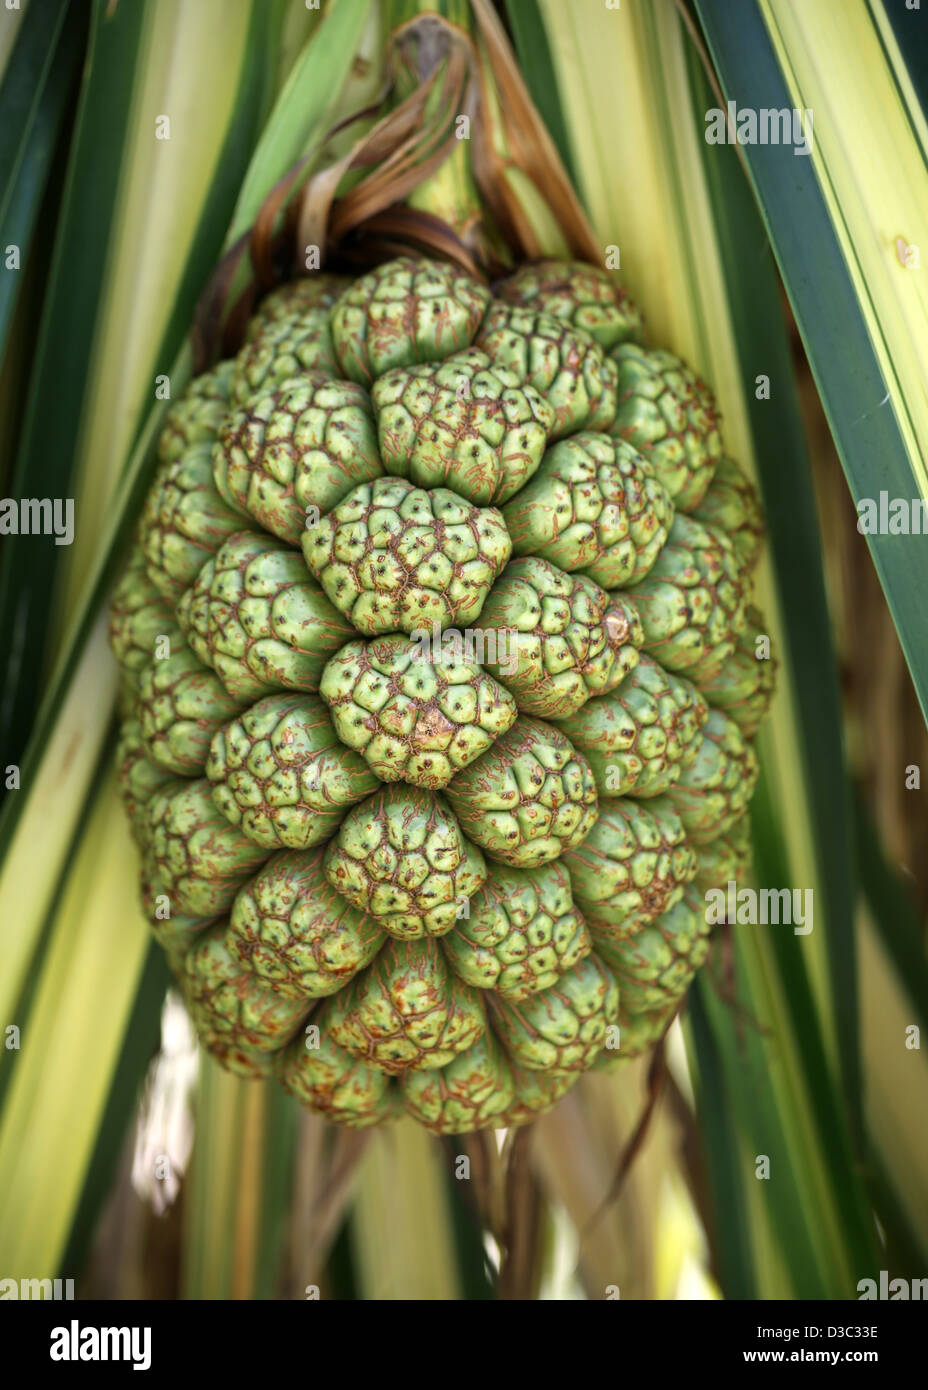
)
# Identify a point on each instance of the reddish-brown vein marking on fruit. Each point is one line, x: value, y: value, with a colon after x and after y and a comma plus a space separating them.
x: 441, y: 320
x: 385, y: 332
x: 502, y: 1008
x: 589, y: 856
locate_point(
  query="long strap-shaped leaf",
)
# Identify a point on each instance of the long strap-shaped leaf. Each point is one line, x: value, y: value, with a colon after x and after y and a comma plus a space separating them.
x: 848, y: 223
x: 72, y: 1030
x: 106, y: 307
x: 33, y: 102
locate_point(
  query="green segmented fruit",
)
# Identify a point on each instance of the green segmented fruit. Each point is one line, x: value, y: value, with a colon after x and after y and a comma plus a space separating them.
x: 181, y: 705
x: 139, y: 617
x: 291, y: 454
x: 405, y: 312
x: 232, y: 1054
x: 184, y: 522
x: 655, y: 966
x: 429, y: 605
x: 731, y: 505
x: 291, y: 929
x: 743, y: 688
x: 414, y: 715
x: 283, y: 347
x: 564, y: 365
x: 564, y: 1027
x: 670, y: 417
x: 632, y: 866
x: 175, y: 932
x: 557, y: 639
x: 586, y: 296
x: 725, y: 858
x: 405, y: 1011
x: 462, y: 424
x: 335, y: 1085
x: 395, y: 558
x: 692, y: 603
x: 201, y: 858
x: 593, y: 505
x: 256, y: 616
x: 294, y: 299
x: 281, y: 773
x: 470, y: 1092
x: 535, y: 1092
x: 139, y: 777
x: 714, y: 791
x: 234, y: 1005
x: 528, y: 798
x: 640, y: 1030
x: 400, y: 855
x: 637, y: 1032
x: 195, y: 418
x: 639, y: 738
x: 521, y: 933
